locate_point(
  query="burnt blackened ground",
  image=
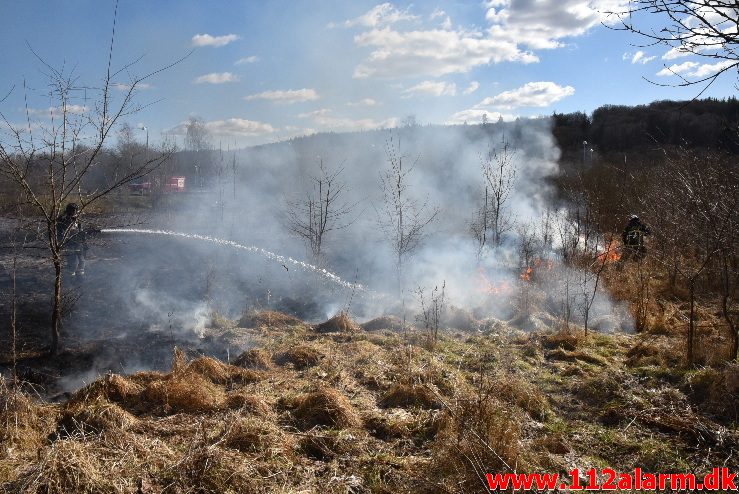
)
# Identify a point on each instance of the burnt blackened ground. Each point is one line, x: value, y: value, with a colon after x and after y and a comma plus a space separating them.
x: 141, y: 295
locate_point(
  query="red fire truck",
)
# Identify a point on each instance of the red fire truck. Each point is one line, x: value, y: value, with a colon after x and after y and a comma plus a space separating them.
x: 175, y: 184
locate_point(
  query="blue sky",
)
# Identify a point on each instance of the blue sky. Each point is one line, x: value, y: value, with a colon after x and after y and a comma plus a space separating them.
x: 265, y: 71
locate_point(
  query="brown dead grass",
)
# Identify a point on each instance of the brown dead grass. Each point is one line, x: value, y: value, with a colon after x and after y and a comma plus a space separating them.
x: 404, y: 395
x: 255, y: 359
x: 248, y: 401
x: 210, y: 468
x: 93, y: 416
x: 716, y: 390
x: 514, y: 390
x: 185, y: 392
x: 268, y: 319
x: 568, y: 356
x: 326, y: 407
x: 391, y: 323
x: 24, y: 423
x: 476, y: 437
x: 565, y: 339
x: 219, y: 373
x: 388, y: 416
x: 340, y: 323
x: 300, y: 356
x: 252, y: 434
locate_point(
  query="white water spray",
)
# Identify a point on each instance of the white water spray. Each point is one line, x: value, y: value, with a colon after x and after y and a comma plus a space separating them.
x: 284, y: 260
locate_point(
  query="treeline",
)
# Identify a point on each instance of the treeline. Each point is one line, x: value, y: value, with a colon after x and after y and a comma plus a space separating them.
x: 620, y: 131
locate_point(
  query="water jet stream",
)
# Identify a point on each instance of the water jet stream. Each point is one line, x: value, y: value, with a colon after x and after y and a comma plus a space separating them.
x: 328, y: 275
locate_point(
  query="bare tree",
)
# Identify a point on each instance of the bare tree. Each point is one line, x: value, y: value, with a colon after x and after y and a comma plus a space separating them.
x: 708, y: 29
x: 432, y: 313
x: 703, y: 197
x: 49, y: 162
x: 322, y: 210
x: 494, y: 217
x: 197, y: 137
x: 403, y: 218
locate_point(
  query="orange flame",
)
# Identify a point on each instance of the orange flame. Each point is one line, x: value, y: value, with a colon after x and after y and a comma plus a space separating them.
x: 609, y: 256
x: 486, y: 286
x: 537, y: 265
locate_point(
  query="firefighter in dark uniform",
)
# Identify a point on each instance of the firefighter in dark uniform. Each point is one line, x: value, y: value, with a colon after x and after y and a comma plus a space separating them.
x: 69, y: 232
x: 633, y: 238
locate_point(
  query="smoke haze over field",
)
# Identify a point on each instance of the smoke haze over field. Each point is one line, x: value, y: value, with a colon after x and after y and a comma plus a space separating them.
x: 249, y: 203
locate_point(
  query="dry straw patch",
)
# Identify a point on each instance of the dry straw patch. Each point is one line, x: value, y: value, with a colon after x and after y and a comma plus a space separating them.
x: 524, y: 395
x: 210, y: 468
x: 219, y: 373
x: 268, y: 319
x: 325, y: 407
x: 404, y: 396
x: 340, y: 323
x: 391, y: 323
x: 476, y: 437
x: 254, y: 435
x: 185, y: 392
x: 249, y: 402
x: 23, y: 422
x: 300, y: 356
x: 93, y: 416
x: 255, y: 359
x: 69, y: 466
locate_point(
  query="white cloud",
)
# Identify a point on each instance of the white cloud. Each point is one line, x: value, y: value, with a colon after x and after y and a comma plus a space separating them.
x: 641, y: 57
x: 251, y: 59
x: 435, y: 52
x: 121, y: 86
x: 675, y: 52
x: 515, y: 28
x: 208, y: 40
x: 544, y: 23
x: 431, y: 88
x: 231, y: 127
x: 238, y: 127
x: 677, y: 69
x: 436, y: 14
x: 216, y: 78
x: 381, y: 15
x: 326, y: 119
x: 531, y: 94
x: 364, y: 102
x: 287, y: 97
x: 446, y: 23
x: 474, y: 85
x: 57, y: 111
x: 708, y: 69
x: 475, y: 115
